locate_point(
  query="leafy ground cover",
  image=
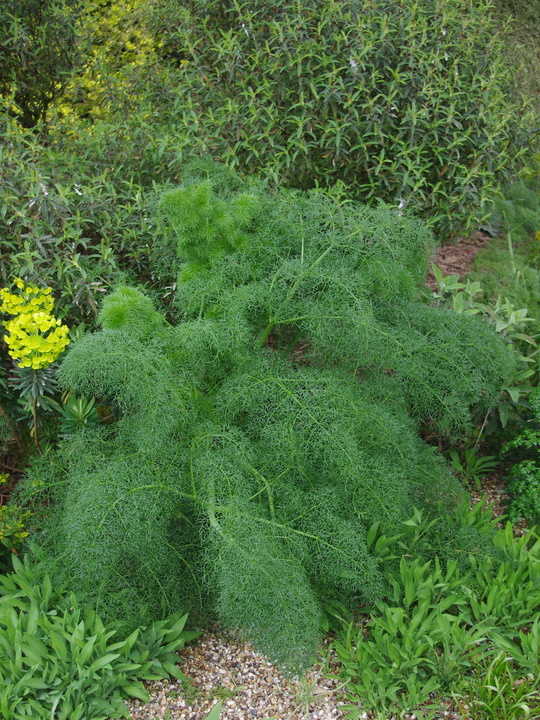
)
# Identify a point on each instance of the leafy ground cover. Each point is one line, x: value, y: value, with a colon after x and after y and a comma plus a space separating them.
x: 441, y: 630
x: 59, y: 661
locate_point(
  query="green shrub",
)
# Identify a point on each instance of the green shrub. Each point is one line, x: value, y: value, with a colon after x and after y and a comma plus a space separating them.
x: 38, y: 49
x: 45, y: 233
x: 75, y: 212
x: 398, y: 100
x: 77, y: 207
x: 524, y: 489
x: 64, y: 664
x: 260, y: 437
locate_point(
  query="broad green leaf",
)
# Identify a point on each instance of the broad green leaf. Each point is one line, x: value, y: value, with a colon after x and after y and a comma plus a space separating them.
x: 136, y: 690
x: 86, y: 651
x: 59, y: 645
x: 103, y: 662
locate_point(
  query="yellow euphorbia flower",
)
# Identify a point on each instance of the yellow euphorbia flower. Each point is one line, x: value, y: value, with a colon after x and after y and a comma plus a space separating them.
x: 35, y: 337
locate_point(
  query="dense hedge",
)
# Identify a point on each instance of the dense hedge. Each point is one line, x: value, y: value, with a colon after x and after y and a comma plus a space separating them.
x: 407, y: 100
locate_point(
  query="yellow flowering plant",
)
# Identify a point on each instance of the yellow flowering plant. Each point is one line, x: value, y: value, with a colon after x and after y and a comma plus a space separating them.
x: 34, y: 337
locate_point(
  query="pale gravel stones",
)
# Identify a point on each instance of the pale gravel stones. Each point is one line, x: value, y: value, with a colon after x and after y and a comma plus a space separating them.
x: 250, y: 687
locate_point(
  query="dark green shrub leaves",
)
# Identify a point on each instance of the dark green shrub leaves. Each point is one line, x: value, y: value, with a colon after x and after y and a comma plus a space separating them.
x: 406, y: 101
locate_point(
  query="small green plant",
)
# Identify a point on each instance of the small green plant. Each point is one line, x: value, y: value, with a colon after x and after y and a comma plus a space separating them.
x: 438, y: 623
x: 524, y: 488
x: 415, y: 645
x: 505, y: 593
x: 472, y: 467
x: 497, y: 692
x: 65, y: 664
x: 524, y: 648
x: 76, y: 413
x: 500, y: 313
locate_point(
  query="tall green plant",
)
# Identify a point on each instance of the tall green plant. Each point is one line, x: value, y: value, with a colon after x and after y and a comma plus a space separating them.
x: 261, y: 435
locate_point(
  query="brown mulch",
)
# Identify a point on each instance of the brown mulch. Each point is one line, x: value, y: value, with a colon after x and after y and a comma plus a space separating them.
x: 494, y: 493
x: 457, y: 259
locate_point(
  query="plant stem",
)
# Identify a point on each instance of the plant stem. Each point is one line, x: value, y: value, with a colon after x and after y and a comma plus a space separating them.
x: 8, y: 467
x: 482, y: 429
x: 34, y: 415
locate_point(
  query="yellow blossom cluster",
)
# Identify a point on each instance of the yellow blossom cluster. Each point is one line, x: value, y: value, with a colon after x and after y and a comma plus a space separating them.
x: 35, y: 338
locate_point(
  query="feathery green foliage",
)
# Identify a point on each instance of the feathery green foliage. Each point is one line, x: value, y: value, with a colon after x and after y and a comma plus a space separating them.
x: 129, y: 306
x: 206, y: 225
x: 261, y: 436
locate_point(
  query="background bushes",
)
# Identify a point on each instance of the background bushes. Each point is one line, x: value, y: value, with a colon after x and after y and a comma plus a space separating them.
x: 399, y: 100
x: 39, y: 46
x: 377, y: 97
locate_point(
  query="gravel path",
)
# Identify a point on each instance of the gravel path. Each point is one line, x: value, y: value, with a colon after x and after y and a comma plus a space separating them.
x: 249, y: 686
